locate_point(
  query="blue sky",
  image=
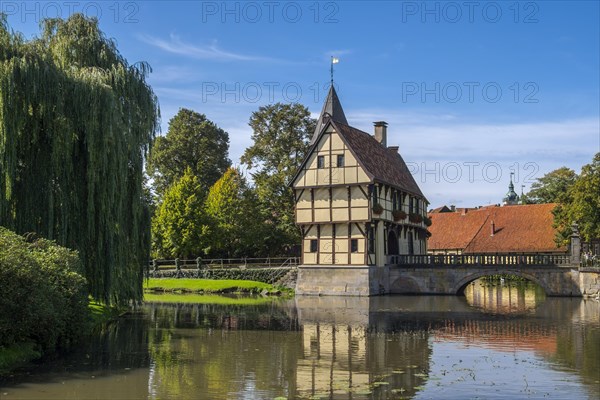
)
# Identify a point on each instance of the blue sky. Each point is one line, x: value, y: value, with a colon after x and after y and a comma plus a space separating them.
x: 471, y: 90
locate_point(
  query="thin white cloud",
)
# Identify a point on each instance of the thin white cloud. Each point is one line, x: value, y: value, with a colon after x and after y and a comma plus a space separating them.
x: 447, y: 136
x: 203, y: 52
x: 453, y: 159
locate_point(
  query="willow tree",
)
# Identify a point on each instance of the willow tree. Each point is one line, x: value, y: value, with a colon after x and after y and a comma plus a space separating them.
x: 76, y: 121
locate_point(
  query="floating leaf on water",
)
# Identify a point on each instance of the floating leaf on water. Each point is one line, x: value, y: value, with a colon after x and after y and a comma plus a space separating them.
x: 397, y: 371
x: 280, y: 398
x: 419, y: 387
x: 380, y: 383
x: 420, y: 375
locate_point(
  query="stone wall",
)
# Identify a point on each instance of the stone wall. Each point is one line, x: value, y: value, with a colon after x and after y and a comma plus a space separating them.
x: 327, y: 280
x: 589, y: 282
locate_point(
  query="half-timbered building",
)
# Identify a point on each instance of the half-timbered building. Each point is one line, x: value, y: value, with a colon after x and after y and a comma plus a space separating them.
x: 357, y: 204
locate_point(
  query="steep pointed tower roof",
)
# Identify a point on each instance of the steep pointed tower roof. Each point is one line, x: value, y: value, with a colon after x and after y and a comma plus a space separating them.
x: 511, y: 197
x: 331, y: 109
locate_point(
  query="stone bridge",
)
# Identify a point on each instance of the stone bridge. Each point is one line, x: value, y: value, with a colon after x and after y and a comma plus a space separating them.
x: 558, y: 275
x: 450, y: 274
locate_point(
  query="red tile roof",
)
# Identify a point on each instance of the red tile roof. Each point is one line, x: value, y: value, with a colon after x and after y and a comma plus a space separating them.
x: 518, y: 229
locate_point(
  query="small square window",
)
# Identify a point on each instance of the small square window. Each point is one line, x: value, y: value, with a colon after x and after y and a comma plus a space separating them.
x: 354, y: 245
x: 321, y: 162
x: 313, y: 245
x: 340, y: 160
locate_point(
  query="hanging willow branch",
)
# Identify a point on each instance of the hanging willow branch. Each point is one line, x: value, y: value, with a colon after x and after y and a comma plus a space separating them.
x: 75, y: 125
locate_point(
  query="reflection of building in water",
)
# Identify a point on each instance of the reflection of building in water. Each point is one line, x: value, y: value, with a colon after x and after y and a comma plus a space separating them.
x: 349, y: 353
x: 341, y: 361
x: 503, y: 298
x: 334, y: 359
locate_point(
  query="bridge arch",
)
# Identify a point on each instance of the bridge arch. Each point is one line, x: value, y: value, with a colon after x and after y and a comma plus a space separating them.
x: 405, y: 285
x: 459, y: 288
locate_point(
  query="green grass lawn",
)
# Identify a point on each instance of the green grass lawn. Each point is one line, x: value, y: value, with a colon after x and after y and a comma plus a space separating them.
x: 206, y: 286
x: 207, y: 299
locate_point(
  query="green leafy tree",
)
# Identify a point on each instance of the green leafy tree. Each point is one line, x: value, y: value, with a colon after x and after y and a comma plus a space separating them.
x: 281, y: 134
x: 194, y: 142
x: 552, y: 187
x: 581, y: 205
x: 237, y: 226
x: 76, y: 121
x: 179, y: 226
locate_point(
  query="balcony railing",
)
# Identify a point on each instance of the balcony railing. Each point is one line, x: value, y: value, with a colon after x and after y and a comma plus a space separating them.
x: 448, y: 260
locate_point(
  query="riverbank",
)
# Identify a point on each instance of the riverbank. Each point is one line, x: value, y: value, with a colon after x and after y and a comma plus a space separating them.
x: 22, y: 353
x: 201, y: 286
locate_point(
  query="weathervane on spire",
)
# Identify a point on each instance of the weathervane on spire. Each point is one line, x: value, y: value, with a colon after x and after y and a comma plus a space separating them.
x: 334, y: 60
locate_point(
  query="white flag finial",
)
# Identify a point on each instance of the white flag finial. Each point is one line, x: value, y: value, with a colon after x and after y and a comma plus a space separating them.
x: 334, y: 60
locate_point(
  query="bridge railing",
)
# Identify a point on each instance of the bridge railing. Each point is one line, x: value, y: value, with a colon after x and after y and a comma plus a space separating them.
x: 221, y: 263
x: 447, y: 260
x: 590, y: 262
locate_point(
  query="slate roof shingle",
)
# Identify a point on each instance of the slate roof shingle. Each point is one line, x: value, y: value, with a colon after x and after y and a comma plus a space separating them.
x: 381, y: 164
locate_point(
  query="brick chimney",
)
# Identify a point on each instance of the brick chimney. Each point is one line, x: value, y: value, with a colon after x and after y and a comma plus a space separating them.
x: 493, y: 228
x: 381, y: 132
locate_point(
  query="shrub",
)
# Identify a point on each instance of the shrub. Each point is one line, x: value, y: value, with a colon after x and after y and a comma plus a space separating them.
x: 43, y: 298
x: 427, y: 221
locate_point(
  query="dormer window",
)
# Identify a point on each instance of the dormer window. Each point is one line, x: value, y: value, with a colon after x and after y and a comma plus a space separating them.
x: 340, y: 160
x: 321, y: 162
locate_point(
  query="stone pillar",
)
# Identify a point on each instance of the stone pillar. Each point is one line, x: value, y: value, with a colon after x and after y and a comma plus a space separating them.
x: 199, y: 267
x: 575, y: 245
x: 177, y: 268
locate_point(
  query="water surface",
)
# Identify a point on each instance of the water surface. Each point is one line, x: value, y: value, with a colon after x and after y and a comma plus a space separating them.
x: 494, y: 343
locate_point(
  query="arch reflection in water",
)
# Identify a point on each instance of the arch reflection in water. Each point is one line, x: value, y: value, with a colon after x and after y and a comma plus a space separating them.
x: 505, y: 297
